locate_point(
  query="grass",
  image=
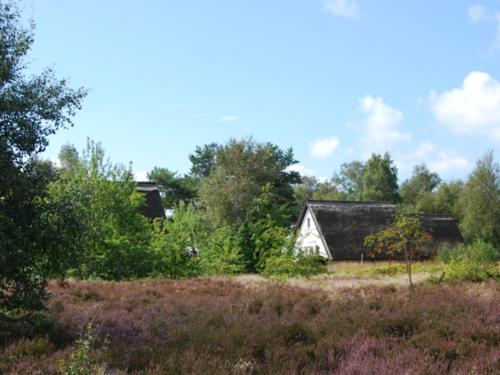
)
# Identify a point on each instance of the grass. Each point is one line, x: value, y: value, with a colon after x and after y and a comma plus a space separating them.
x: 221, y: 326
x: 383, y: 268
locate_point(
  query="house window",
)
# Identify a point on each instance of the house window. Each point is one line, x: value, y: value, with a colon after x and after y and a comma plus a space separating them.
x: 308, y: 223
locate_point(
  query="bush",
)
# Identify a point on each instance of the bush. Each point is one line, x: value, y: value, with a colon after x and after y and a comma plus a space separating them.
x: 474, y: 262
x: 85, y: 359
x: 287, y: 265
x: 466, y: 269
x: 221, y: 255
x: 478, y: 251
x: 175, y: 242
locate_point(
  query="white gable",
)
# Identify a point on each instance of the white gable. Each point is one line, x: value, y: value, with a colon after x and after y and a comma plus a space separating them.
x: 309, y: 238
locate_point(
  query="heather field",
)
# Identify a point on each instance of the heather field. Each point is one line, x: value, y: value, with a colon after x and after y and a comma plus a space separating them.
x: 250, y: 325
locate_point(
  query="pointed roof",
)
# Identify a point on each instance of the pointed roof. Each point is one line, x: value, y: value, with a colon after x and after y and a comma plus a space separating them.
x: 154, y: 205
x: 344, y: 225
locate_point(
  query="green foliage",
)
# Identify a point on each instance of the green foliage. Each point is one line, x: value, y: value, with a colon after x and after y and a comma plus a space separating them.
x: 290, y: 265
x: 478, y: 251
x: 85, y: 359
x: 405, y: 236
x: 350, y: 180
x: 240, y: 169
x: 444, y: 200
x: 173, y: 188
x: 270, y: 241
x: 203, y: 159
x: 305, y: 189
x: 465, y: 269
x: 32, y: 107
x: 175, y: 242
x: 94, y: 208
x: 220, y: 255
x: 328, y: 191
x: 481, y: 202
x: 380, y: 179
x: 422, y: 181
x: 266, y: 230
x: 473, y: 262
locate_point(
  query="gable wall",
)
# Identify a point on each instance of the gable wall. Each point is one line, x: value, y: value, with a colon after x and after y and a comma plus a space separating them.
x: 309, y: 237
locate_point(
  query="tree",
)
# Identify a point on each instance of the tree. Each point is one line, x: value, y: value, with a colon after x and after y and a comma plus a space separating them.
x: 350, y: 180
x: 220, y: 254
x: 328, y: 191
x: 173, y: 188
x: 305, y: 189
x: 480, y: 201
x: 445, y: 200
x: 241, y: 168
x: 422, y: 181
x: 405, y: 236
x: 380, y: 179
x: 68, y: 158
x: 31, y: 109
x: 203, y: 159
x: 96, y: 211
x: 176, y: 241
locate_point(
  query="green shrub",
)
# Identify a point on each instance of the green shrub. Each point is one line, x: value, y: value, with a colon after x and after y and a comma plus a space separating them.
x: 446, y: 252
x: 390, y: 270
x: 474, y: 262
x: 175, y: 242
x: 85, y: 359
x: 478, y: 251
x: 287, y: 265
x: 36, y: 347
x: 220, y: 255
x: 465, y: 269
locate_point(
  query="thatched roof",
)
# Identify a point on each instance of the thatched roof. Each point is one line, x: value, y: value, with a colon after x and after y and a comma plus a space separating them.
x: 154, y: 206
x: 344, y: 225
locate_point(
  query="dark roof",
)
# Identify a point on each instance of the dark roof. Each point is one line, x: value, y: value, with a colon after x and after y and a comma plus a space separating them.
x: 153, y: 207
x: 345, y: 224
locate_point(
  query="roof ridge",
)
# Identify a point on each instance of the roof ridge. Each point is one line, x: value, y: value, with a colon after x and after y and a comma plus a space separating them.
x: 346, y: 201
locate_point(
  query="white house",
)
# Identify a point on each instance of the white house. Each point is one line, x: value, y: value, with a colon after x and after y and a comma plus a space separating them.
x: 337, y: 229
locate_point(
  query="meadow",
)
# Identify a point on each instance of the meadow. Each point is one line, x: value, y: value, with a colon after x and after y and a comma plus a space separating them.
x: 356, y: 320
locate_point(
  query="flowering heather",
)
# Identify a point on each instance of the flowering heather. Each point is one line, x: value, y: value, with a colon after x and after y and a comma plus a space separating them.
x: 215, y: 326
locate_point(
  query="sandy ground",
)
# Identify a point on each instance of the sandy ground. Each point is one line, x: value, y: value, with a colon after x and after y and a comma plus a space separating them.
x: 334, y: 282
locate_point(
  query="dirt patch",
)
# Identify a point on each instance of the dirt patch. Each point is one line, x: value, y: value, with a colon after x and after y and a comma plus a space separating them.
x: 334, y: 282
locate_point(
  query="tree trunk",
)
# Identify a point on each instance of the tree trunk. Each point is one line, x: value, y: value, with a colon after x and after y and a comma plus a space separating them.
x: 408, y: 260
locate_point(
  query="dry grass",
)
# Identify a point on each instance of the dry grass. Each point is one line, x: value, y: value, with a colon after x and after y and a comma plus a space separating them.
x: 343, y: 275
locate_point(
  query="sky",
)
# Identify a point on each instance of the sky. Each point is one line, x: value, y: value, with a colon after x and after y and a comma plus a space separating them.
x: 336, y: 80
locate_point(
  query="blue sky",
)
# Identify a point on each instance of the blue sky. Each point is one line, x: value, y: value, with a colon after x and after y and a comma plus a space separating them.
x: 334, y: 79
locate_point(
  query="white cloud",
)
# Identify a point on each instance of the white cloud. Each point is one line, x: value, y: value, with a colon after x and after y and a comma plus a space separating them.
x: 141, y: 176
x: 473, y: 108
x: 230, y: 118
x: 445, y: 162
x: 476, y: 13
x: 342, y: 8
x: 302, y: 169
x: 324, y: 147
x: 381, y: 127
